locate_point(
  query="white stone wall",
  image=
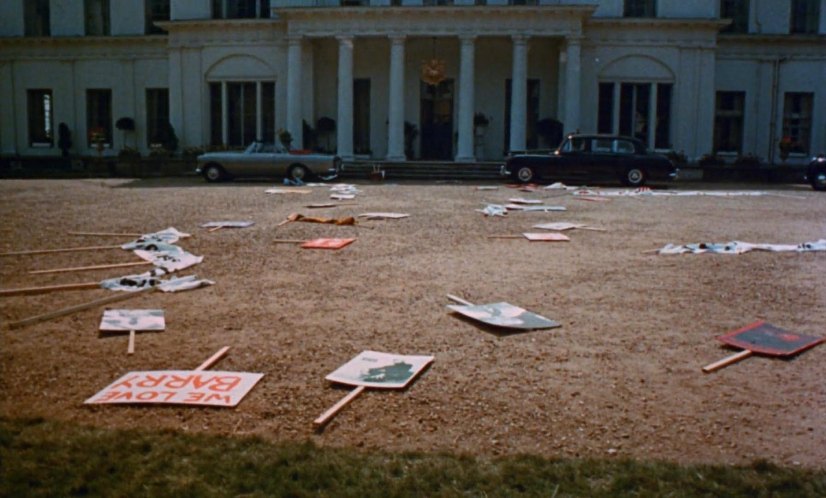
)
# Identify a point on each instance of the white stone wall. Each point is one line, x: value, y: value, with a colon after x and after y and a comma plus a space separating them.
x: 11, y: 18
x: 66, y: 17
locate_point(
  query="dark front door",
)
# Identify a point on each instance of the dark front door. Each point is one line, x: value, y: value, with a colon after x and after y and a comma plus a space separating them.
x: 436, y: 121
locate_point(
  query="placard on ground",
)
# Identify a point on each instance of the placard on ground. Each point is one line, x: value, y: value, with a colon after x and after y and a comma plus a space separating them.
x: 120, y: 320
x: 504, y: 315
x: 764, y: 338
x: 380, y: 370
x: 327, y: 243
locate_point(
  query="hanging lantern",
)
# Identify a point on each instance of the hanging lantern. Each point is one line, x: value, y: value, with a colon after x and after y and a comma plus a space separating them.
x: 433, y: 70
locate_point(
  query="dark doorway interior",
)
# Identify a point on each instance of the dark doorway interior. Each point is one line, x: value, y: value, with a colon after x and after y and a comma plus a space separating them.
x: 436, y: 121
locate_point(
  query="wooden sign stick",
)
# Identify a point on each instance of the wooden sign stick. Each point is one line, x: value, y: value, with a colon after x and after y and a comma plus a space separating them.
x: 288, y: 241
x: 120, y: 296
x: 742, y: 355
x: 94, y: 267
x: 48, y: 288
x: 506, y: 236
x: 131, y: 348
x: 213, y: 359
x: 51, y: 251
x: 326, y: 416
x: 215, y: 229
x: 459, y: 300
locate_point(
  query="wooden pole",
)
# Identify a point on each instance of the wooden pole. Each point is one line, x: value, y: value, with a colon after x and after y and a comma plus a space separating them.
x: 459, y: 300
x: 215, y: 229
x: 119, y: 296
x: 108, y: 234
x: 326, y: 416
x: 288, y: 241
x: 742, y: 355
x: 131, y: 348
x: 48, y: 288
x: 51, y: 251
x: 213, y: 359
x: 95, y: 267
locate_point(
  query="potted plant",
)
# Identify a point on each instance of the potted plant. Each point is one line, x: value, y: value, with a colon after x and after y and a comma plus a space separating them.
x: 785, y: 145
x: 480, y: 123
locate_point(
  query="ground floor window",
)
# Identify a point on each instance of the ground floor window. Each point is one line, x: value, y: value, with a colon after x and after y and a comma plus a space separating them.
x: 99, y: 117
x: 241, y: 112
x: 157, y: 116
x: 639, y: 110
x: 797, y: 120
x: 728, y: 121
x: 40, y: 111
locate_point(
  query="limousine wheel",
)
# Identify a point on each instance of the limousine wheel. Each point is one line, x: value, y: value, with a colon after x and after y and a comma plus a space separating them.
x: 525, y: 174
x: 213, y: 173
x: 634, y: 177
x: 298, y: 172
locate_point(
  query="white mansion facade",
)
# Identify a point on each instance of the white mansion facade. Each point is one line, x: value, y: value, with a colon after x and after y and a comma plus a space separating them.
x: 732, y: 77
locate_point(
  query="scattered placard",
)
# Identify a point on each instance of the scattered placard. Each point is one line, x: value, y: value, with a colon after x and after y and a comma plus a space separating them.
x: 546, y: 237
x: 342, y: 197
x: 333, y: 244
x: 503, y: 315
x: 373, y: 369
x: 562, y: 226
x: 288, y: 190
x: 380, y: 216
x: 763, y: 338
x: 132, y: 321
x: 178, y: 387
x: 218, y: 225
x: 533, y: 208
x: 521, y: 200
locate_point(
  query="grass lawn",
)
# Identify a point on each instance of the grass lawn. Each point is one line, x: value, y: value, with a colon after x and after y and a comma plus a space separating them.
x: 45, y: 458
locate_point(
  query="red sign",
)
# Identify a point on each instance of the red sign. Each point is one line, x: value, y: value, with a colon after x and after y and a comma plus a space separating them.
x: 179, y: 387
x: 327, y: 243
x: 765, y: 338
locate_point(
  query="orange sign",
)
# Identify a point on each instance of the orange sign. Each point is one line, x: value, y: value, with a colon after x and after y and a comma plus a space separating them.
x: 327, y: 243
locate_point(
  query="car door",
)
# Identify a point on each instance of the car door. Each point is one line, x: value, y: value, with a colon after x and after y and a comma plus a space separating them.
x: 625, y: 156
x: 602, y: 161
x: 571, y: 159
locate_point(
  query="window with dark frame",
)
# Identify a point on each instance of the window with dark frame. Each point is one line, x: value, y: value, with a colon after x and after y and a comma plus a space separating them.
x: 804, y: 16
x: 240, y: 9
x: 157, y: 116
x: 797, y: 120
x: 41, y: 120
x: 361, y: 116
x: 156, y: 10
x: 36, y: 18
x: 738, y: 12
x: 630, y: 115
x: 728, y: 121
x: 97, y: 17
x: 242, y: 113
x: 640, y: 8
x: 605, y: 116
x: 99, y: 116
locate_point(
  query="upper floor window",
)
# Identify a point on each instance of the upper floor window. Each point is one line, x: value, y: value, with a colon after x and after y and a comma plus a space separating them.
x: 36, y: 18
x: 436, y: 3
x: 156, y: 10
x: 40, y: 109
x: 640, y: 8
x: 97, y: 17
x: 738, y: 12
x: 240, y: 9
x: 523, y: 2
x: 805, y: 16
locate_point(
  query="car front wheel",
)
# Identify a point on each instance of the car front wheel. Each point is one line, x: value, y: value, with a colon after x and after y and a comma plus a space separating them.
x: 298, y: 172
x: 818, y: 179
x: 524, y: 174
x: 634, y: 177
x: 213, y: 173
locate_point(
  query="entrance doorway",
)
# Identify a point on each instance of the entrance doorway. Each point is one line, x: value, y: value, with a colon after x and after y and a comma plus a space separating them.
x: 436, y: 121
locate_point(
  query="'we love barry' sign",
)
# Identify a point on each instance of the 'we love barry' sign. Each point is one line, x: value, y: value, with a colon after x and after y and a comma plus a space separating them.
x: 179, y: 387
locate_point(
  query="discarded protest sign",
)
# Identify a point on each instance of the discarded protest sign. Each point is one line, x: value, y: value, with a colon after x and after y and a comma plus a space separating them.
x: 503, y: 315
x: 327, y: 243
x: 377, y: 370
x: 564, y: 225
x: 546, y: 237
x: 763, y: 338
x: 736, y: 247
x: 217, y: 225
x: 179, y: 387
x: 119, y: 320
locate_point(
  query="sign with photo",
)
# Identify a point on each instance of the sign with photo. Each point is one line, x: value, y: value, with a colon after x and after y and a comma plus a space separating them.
x: 765, y: 338
x: 129, y: 320
x: 504, y: 315
x: 178, y: 387
x: 380, y: 370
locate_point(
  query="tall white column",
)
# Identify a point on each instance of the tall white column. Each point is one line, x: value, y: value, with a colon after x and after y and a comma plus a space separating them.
x: 519, y: 93
x: 573, y: 80
x: 466, y: 99
x: 294, y: 125
x: 344, y: 133
x: 652, y: 116
x: 395, y: 125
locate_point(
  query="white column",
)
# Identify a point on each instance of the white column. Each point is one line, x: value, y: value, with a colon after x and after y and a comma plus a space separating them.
x: 395, y: 126
x: 224, y: 114
x: 573, y: 80
x: 615, y: 126
x: 259, y: 111
x: 466, y: 99
x: 294, y: 125
x: 519, y: 93
x: 344, y: 133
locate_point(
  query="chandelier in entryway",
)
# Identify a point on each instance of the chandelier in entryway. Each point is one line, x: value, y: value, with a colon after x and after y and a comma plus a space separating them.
x: 433, y: 69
